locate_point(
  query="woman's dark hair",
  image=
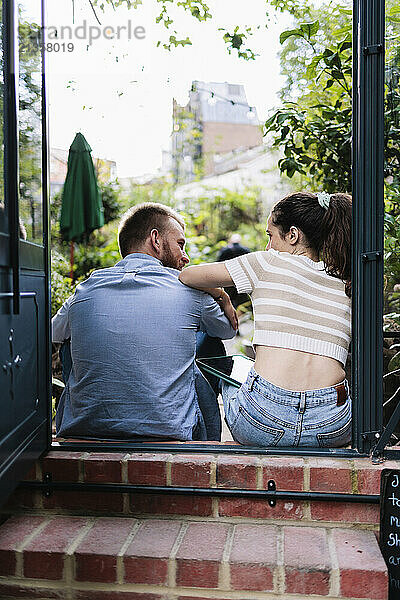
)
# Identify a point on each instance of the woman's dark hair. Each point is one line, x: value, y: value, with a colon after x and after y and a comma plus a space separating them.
x: 327, y: 231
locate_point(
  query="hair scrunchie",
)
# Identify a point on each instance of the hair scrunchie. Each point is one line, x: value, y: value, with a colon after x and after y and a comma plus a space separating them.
x: 324, y: 199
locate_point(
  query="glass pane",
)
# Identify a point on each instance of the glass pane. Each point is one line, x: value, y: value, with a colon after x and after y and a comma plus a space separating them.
x: 3, y: 219
x: 392, y: 210
x: 30, y: 120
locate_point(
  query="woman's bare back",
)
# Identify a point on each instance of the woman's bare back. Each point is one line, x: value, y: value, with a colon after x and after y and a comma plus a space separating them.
x: 296, y: 370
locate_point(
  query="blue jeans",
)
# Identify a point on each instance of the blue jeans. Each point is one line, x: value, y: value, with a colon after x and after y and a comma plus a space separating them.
x: 262, y: 414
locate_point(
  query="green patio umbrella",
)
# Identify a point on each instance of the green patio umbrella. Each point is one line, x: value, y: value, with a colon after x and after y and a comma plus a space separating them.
x: 82, y: 208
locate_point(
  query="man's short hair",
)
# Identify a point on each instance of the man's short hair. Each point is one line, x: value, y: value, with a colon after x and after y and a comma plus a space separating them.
x: 138, y: 221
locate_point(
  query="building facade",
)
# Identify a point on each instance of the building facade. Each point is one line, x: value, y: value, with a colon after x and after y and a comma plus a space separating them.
x: 217, y: 119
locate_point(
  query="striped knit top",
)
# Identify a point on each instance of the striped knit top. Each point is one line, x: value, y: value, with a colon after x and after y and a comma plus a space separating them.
x: 297, y: 305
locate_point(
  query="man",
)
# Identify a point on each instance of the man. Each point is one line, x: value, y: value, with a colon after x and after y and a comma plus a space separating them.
x: 133, y: 340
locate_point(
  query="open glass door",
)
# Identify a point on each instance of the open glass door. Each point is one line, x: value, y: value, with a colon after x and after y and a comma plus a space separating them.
x: 24, y: 289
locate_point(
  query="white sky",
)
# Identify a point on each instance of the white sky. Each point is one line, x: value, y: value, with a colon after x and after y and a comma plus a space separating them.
x: 122, y: 90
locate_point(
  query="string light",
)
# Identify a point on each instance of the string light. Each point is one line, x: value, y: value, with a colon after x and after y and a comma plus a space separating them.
x: 212, y: 100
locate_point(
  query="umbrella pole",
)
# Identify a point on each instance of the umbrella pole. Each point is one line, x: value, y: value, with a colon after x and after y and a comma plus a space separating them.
x: 71, y: 260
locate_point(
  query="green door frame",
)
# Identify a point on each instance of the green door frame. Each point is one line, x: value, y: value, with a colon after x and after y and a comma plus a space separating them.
x: 368, y: 213
x: 24, y: 288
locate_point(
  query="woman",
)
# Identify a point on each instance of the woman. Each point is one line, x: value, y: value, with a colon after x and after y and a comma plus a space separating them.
x: 296, y: 394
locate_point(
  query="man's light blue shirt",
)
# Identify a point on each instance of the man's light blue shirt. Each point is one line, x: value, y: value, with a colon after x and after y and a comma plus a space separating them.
x: 133, y: 342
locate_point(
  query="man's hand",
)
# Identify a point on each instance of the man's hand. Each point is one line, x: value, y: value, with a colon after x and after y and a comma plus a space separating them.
x: 222, y: 298
x: 229, y: 310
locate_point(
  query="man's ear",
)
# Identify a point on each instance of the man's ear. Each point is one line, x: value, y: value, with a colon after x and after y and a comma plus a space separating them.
x: 155, y: 240
x: 293, y: 235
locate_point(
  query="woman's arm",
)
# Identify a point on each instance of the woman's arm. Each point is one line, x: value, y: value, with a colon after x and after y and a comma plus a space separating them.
x: 207, y: 278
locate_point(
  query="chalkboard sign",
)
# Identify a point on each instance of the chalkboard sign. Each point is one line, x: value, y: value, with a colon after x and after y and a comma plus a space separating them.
x: 390, y: 528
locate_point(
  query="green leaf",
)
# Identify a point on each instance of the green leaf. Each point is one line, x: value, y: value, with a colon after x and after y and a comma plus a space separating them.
x: 327, y: 52
x: 309, y: 29
x: 345, y: 45
x: 288, y: 151
x: 312, y: 67
x: 308, y: 141
x: 282, y: 117
x: 236, y: 41
x: 284, y: 131
x: 289, y: 33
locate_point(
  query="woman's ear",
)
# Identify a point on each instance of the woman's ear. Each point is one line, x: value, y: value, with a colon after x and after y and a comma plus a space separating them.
x: 293, y: 235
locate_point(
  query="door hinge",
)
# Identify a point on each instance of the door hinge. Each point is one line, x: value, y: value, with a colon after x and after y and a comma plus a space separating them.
x: 271, y: 487
x: 47, y: 478
x: 369, y: 256
x: 373, y: 438
x: 374, y: 49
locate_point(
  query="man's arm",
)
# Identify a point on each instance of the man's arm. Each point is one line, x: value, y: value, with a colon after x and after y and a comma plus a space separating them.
x: 60, y: 323
x: 214, y: 321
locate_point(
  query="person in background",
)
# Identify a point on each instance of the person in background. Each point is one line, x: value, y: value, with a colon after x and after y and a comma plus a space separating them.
x: 133, y: 330
x: 300, y: 287
x: 233, y: 250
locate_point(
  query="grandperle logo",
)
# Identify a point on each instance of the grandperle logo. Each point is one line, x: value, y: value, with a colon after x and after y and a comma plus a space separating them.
x: 63, y: 36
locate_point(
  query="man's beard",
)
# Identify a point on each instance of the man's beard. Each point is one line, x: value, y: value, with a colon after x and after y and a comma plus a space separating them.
x: 169, y: 260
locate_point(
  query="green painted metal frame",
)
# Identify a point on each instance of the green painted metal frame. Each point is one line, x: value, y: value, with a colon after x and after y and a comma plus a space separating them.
x: 368, y: 212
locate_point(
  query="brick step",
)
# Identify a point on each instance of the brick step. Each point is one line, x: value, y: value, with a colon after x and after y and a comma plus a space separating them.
x: 203, y: 471
x: 107, y: 558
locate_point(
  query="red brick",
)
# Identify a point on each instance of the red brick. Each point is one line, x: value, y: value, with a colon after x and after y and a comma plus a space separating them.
x: 96, y: 555
x: 170, y: 505
x: 287, y: 472
x: 199, y: 555
x: 8, y: 590
x: 303, y: 582
x: 103, y: 468
x: 113, y: 595
x: 253, y: 557
x: 63, y: 466
x: 254, y: 544
x: 85, y: 502
x: 369, y: 481
x: 197, y: 573
x: 306, y: 560
x: 237, y: 472
x: 190, y: 470
x: 330, y: 475
x: 148, y: 469
x: 44, y: 555
x: 345, y: 512
x: 22, y: 498
x: 252, y: 577
x: 363, y: 572
x: 369, y: 475
x: 12, y: 535
x: 146, y: 559
x: 259, y: 508
x: 31, y: 474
